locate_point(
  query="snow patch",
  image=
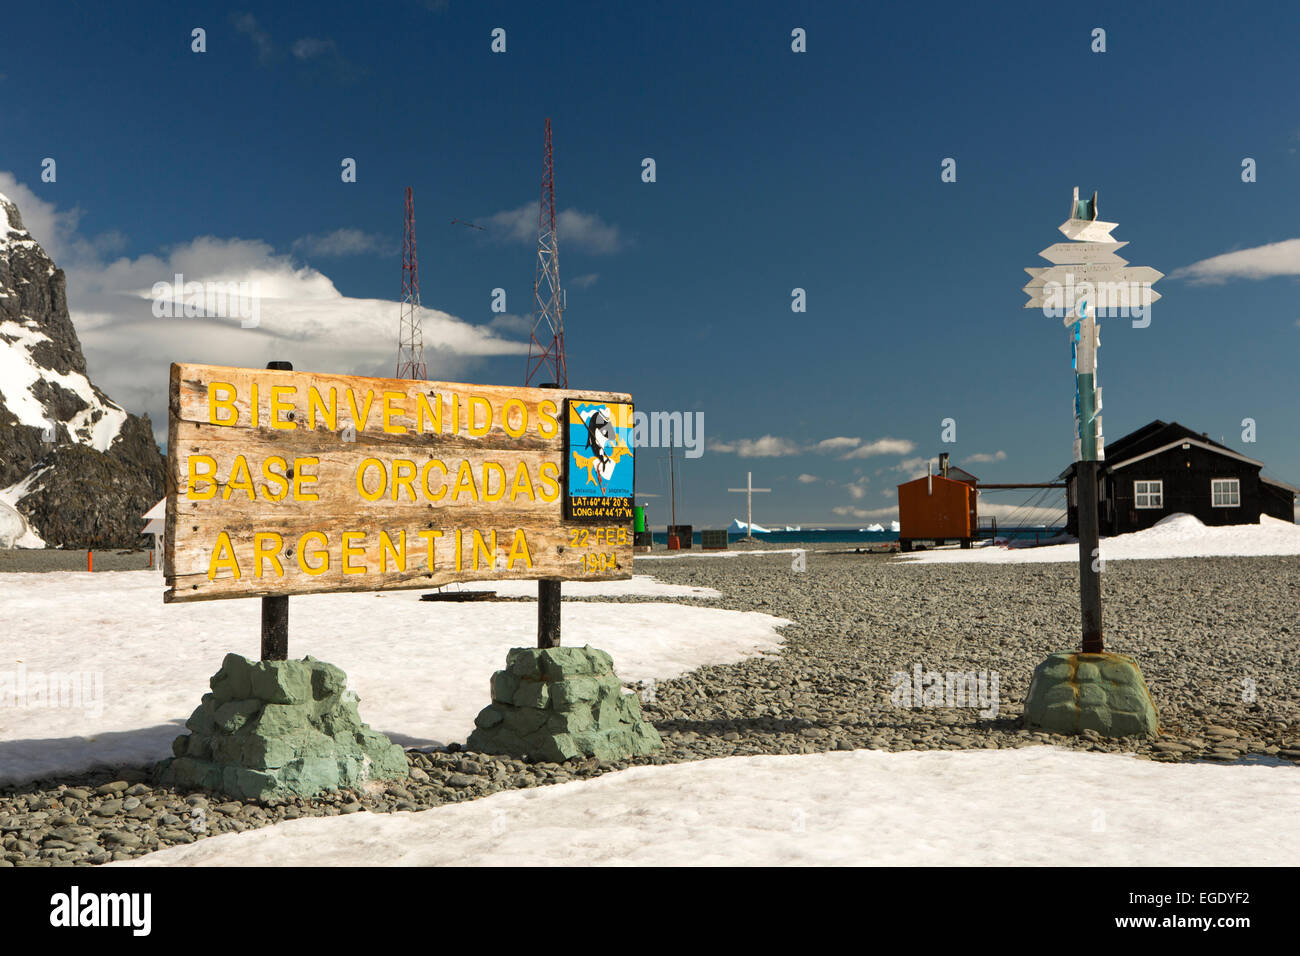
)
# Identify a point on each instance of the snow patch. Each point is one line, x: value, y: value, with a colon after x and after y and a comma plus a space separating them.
x: 1176, y: 536
x: 866, y: 807
x: 420, y: 668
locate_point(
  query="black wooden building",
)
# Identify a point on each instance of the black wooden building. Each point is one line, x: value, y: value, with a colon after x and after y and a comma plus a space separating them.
x: 1165, y: 468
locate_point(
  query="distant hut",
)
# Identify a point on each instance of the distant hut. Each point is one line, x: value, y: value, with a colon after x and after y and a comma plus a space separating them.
x: 1165, y: 468
x: 938, y: 508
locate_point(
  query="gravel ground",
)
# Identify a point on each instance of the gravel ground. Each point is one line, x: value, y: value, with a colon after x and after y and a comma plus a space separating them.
x: 1216, y: 638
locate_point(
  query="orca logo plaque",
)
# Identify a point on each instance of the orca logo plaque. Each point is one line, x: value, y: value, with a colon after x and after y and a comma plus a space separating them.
x: 600, y: 469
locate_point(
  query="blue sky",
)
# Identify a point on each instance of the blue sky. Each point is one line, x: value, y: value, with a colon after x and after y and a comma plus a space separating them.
x: 775, y: 170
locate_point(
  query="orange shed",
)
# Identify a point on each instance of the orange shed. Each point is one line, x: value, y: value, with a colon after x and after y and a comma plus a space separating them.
x: 938, y: 509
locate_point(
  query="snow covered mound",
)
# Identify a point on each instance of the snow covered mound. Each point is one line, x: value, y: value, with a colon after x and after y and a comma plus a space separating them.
x: 1177, y: 536
x: 739, y: 527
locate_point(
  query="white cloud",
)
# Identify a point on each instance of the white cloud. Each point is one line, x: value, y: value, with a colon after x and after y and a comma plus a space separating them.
x: 585, y: 281
x: 857, y: 489
x: 836, y: 444
x: 309, y: 47
x: 865, y: 514
x: 984, y: 457
x: 1259, y: 262
x: 769, y: 446
x: 881, y: 446
x: 342, y: 242
x: 807, y: 479
x: 303, y: 316
x: 574, y: 229
x: 247, y: 24
x: 915, y: 467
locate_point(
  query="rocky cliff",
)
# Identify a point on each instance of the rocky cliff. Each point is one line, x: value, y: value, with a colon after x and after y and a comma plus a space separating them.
x: 77, y: 468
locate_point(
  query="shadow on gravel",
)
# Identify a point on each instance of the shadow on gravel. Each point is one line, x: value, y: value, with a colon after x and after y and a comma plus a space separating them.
x: 789, y: 725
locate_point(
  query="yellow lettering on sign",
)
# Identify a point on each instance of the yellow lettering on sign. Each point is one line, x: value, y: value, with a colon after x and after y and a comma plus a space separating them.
x: 302, y: 477
x: 278, y: 406
x: 398, y: 551
x: 350, y: 552
x: 361, y: 479
x: 281, y: 482
x: 361, y: 416
x: 481, y: 547
x: 328, y: 413
x: 491, y: 468
x: 240, y: 480
x: 547, y: 426
x: 227, y: 403
x: 321, y: 553
x: 477, y: 402
x: 519, y: 551
x: 511, y: 405
x: 458, y: 561
x: 432, y: 412
x: 550, y: 481
x: 424, y: 479
x: 404, y: 478
x: 254, y: 407
x: 523, y: 484
x: 464, y: 479
x: 223, y: 558
x: 266, y: 547
x: 430, y: 537
x: 205, y: 476
x: 390, y: 411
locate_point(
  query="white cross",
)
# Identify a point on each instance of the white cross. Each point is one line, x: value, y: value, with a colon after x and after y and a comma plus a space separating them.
x: 749, y: 490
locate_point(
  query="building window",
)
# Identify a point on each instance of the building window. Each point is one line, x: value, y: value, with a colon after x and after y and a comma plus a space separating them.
x: 1225, y: 493
x: 1148, y: 494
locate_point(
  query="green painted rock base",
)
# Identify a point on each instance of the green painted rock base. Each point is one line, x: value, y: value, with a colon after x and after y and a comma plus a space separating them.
x: 1071, y: 693
x: 279, y: 729
x: 559, y: 703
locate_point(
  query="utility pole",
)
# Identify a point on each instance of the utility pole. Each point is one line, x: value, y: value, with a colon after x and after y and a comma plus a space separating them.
x: 749, y: 491
x: 1087, y: 273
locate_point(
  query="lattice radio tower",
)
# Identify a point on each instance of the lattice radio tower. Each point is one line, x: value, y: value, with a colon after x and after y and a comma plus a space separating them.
x: 410, y: 336
x: 546, y: 351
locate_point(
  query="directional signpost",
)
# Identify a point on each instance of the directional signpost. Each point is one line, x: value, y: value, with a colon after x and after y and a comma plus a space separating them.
x: 1093, y: 690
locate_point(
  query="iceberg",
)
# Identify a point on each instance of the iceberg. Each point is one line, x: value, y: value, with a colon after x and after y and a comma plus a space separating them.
x: 739, y: 527
x: 894, y: 526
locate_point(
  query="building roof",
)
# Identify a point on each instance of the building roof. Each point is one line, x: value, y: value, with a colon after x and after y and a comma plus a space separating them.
x: 1156, y: 437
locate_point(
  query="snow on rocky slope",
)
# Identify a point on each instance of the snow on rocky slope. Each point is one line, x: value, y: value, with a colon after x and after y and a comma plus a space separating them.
x: 75, y: 467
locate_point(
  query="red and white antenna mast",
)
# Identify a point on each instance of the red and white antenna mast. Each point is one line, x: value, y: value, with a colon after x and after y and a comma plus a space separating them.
x: 410, y: 336
x: 546, y: 351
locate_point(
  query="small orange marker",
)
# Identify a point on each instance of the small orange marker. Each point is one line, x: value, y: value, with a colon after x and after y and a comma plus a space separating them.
x: 90, y: 560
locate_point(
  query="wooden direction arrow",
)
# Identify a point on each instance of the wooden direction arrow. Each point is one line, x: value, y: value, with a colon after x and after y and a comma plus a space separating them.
x: 1089, y: 230
x: 1096, y: 272
x: 1062, y: 253
x: 1120, y: 296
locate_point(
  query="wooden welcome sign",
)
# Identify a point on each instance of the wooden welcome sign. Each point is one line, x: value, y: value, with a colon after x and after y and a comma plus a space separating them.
x: 284, y: 483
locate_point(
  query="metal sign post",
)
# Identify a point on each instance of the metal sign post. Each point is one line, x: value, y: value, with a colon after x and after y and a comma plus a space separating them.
x: 1086, y: 273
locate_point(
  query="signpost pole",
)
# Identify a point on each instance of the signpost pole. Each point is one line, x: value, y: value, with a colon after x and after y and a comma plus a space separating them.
x: 548, y: 599
x: 275, y: 610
